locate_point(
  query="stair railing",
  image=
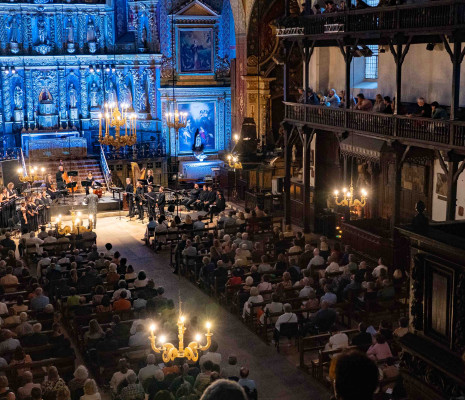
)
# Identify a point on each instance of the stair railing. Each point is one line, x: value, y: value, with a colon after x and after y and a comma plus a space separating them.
x: 105, y: 168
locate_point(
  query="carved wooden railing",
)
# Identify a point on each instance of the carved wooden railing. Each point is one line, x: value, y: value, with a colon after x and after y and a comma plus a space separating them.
x: 432, y: 132
x: 413, y: 18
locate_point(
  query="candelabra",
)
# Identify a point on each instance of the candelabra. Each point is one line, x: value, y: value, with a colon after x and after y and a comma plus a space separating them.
x: 33, y: 175
x: 77, y: 224
x: 116, y: 118
x: 176, y: 120
x: 170, y: 351
x: 348, y: 200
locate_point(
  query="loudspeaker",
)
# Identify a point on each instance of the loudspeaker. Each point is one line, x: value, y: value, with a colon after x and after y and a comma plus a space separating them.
x: 9, y: 172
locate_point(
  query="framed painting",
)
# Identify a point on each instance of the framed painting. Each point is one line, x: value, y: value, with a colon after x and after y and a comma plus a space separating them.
x: 195, y: 51
x: 200, y: 128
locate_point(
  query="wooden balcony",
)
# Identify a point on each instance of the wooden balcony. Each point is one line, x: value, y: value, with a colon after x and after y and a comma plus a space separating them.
x: 433, y: 18
x: 421, y: 132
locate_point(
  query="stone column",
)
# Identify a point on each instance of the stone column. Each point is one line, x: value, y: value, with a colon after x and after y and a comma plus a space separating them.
x: 29, y: 93
x: 6, y: 78
x: 258, y: 102
x: 62, y: 93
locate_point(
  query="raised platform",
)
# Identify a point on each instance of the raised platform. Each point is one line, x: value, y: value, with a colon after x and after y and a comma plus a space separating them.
x: 105, y: 204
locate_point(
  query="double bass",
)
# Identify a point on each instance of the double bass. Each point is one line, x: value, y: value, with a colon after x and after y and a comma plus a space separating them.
x: 67, y: 180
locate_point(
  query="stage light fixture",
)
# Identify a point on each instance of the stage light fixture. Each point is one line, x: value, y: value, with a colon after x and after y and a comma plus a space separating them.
x: 98, y: 69
x: 113, y: 68
x: 91, y: 69
x: 107, y: 69
x: 7, y: 71
x: 13, y: 70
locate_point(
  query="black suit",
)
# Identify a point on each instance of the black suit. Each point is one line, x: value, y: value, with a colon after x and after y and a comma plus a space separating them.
x: 130, y: 198
x: 219, y: 206
x: 59, y: 179
x: 202, y: 197
x: 211, y: 197
x: 161, y: 201
x: 151, y: 200
x: 139, y: 200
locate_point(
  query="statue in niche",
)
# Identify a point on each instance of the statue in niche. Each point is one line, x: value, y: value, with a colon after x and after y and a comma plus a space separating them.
x: 111, y: 92
x: 91, y: 36
x: 72, y: 93
x: 126, y: 96
x: 15, y: 34
x: 94, y: 95
x: 18, y: 98
x: 42, y: 30
x: 70, y: 39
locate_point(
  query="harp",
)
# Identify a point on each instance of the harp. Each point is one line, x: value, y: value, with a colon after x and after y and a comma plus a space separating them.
x: 137, y: 173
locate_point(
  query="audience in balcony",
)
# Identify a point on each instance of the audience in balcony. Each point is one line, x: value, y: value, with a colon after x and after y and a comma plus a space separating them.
x: 332, y: 100
x: 387, y: 106
x: 438, y: 112
x: 379, y: 105
x: 363, y: 104
x: 424, y: 109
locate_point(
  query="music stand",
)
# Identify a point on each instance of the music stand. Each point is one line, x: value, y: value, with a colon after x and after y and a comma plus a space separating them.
x: 72, y: 186
x: 72, y: 174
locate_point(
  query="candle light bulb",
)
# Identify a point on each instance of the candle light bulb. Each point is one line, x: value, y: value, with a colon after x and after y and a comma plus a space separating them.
x: 152, y: 328
x: 163, y: 339
x: 197, y: 337
x: 182, y: 318
x: 336, y: 192
x: 208, y: 325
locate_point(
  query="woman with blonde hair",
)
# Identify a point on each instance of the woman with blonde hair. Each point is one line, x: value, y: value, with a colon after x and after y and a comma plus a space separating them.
x: 90, y: 391
x: 379, y: 105
x: 94, y: 334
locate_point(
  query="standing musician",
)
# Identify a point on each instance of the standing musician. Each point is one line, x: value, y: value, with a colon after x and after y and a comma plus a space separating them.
x: 89, y: 179
x: 92, y: 206
x: 140, y: 200
x: 4, y: 195
x: 150, y: 176
x: 47, y: 203
x: 40, y: 207
x: 130, y: 197
x: 161, y: 200
x: 11, y: 192
x: 31, y: 214
x: 23, y: 217
x: 151, y: 200
x: 61, y: 185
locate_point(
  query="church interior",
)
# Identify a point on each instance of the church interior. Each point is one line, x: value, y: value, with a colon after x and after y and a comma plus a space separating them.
x: 232, y: 200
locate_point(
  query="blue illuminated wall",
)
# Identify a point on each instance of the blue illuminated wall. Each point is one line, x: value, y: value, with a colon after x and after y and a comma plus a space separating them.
x: 60, y: 62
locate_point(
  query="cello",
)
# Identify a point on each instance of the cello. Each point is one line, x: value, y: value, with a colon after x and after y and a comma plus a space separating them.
x: 67, y: 180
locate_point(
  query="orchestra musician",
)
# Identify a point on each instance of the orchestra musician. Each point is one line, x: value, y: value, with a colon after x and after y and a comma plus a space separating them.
x: 211, y: 197
x: 199, y: 203
x: 89, y: 179
x: 218, y: 205
x: 47, y: 203
x: 151, y: 200
x: 61, y: 185
x: 161, y: 200
x: 4, y: 194
x: 140, y: 200
x: 51, y: 191
x: 11, y: 191
x: 150, y: 176
x: 193, y: 196
x: 130, y: 197
x: 31, y: 214
x: 24, y: 221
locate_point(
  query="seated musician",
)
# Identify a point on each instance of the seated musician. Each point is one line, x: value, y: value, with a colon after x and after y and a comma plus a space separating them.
x: 217, y: 206
x: 89, y: 179
x: 51, y: 191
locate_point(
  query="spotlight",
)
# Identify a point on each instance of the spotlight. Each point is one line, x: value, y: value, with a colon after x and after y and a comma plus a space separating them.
x: 107, y: 68
x: 430, y: 46
x: 13, y: 70
x: 98, y: 69
x: 113, y: 68
x: 7, y: 71
x: 91, y: 69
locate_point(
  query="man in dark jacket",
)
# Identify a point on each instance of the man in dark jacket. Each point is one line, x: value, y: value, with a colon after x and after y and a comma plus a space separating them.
x: 193, y: 196
x: 218, y: 205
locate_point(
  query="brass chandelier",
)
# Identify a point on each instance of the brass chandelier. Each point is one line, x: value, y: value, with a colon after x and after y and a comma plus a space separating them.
x: 349, y: 200
x: 77, y: 224
x: 170, y: 351
x: 116, y: 118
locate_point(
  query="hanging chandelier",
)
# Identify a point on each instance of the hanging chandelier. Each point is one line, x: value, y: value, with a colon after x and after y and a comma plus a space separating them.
x: 176, y: 120
x: 170, y: 351
x: 348, y: 199
x: 118, y: 119
x: 33, y: 175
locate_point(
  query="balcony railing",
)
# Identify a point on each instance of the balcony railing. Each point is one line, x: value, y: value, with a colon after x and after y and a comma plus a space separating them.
x: 449, y: 15
x: 423, y: 131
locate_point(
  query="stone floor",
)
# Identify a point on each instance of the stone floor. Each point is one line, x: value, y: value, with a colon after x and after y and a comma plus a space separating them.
x: 276, y: 375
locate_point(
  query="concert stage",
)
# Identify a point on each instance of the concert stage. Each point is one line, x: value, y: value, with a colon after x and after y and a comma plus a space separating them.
x: 106, y: 203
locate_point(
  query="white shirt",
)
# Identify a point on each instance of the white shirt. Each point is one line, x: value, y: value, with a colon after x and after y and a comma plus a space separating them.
x: 50, y: 239
x: 316, y: 261
x: 215, y: 358
x: 305, y: 292
x: 252, y: 299
x: 271, y: 308
x: 264, y: 268
x: 338, y: 341
x: 149, y: 371
x: 117, y: 378
x: 35, y: 240
x: 377, y: 270
x: 286, y: 318
x: 332, y: 268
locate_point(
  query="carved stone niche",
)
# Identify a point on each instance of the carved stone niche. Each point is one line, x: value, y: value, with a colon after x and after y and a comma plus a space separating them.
x: 432, y: 364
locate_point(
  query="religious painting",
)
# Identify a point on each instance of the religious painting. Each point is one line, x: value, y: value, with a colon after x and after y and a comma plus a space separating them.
x: 195, y: 51
x: 413, y: 178
x: 200, y: 129
x: 441, y: 186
